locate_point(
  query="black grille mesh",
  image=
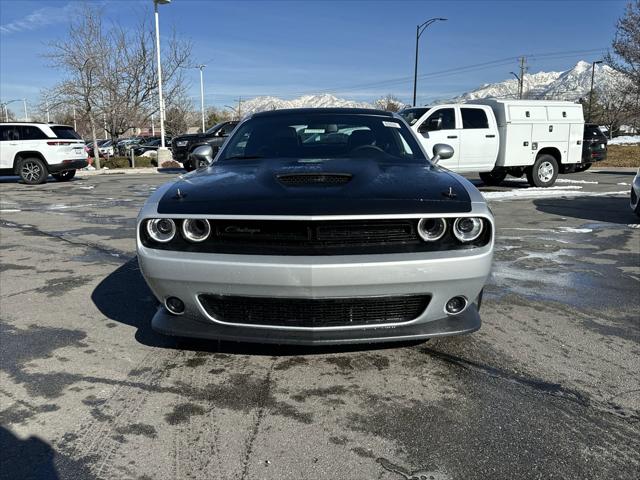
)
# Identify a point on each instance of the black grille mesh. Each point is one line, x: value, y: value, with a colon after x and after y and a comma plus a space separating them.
x: 294, y: 180
x: 332, y: 312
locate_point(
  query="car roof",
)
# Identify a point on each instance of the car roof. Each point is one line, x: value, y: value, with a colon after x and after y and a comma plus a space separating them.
x: 330, y: 111
x: 35, y: 123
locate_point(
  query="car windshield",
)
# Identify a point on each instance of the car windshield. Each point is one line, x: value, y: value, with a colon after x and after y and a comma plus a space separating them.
x: 412, y: 115
x: 322, y: 136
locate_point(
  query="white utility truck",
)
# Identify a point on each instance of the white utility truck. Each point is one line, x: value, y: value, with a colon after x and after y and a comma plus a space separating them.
x: 494, y: 137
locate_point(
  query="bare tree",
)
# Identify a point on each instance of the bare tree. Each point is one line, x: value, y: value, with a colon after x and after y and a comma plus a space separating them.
x: 180, y: 115
x: 390, y: 103
x: 215, y: 115
x: 112, y: 73
x: 625, y: 57
x: 77, y: 56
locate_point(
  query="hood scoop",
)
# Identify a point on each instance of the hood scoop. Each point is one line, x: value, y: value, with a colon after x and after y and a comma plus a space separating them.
x: 314, y: 179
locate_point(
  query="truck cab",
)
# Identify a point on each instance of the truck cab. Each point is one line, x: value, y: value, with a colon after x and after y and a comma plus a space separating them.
x: 470, y: 129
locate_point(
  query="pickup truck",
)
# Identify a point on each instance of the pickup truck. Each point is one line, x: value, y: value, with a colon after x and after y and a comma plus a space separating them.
x: 496, y: 138
x: 183, y: 145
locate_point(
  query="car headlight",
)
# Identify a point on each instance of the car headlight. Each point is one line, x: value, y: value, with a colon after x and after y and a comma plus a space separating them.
x: 182, y: 143
x: 467, y: 229
x: 161, y: 229
x: 196, y: 229
x: 432, y: 229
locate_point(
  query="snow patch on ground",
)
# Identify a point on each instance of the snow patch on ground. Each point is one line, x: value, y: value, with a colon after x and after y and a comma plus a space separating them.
x: 622, y: 183
x: 568, y: 191
x: 568, y: 180
x: 625, y: 140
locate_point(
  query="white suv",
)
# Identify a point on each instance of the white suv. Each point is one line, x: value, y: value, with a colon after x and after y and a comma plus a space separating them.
x: 35, y: 150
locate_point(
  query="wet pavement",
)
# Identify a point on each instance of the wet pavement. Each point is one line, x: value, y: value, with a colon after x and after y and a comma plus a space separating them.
x: 548, y: 388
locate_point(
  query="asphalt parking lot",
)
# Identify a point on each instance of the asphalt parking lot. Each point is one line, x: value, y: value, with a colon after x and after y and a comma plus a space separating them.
x: 548, y: 388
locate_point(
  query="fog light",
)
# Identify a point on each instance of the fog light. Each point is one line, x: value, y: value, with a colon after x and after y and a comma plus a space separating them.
x: 174, y: 305
x: 456, y: 305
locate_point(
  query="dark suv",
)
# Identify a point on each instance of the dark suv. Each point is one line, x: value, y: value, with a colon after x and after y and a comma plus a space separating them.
x: 183, y: 145
x: 594, y: 145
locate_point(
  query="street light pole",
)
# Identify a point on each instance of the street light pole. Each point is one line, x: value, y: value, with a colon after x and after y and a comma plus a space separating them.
x: 162, y: 151
x: 24, y: 102
x: 201, y: 67
x: 75, y: 125
x: 519, y: 84
x: 593, y: 71
x: 419, y: 30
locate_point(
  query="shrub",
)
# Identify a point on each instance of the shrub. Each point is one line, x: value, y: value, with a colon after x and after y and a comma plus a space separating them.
x: 125, y: 162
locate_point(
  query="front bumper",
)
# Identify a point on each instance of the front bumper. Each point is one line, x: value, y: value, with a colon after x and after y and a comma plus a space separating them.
x: 441, y: 275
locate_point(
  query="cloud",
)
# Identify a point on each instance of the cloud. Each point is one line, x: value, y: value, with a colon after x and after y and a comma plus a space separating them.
x: 38, y: 19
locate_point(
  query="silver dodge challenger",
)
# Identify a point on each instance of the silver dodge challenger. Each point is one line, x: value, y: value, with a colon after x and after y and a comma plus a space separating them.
x: 317, y: 226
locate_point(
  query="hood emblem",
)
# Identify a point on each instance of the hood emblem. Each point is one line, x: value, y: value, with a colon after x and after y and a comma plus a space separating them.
x: 450, y: 193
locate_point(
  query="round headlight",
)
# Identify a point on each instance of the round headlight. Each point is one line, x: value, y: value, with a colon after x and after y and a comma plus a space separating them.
x: 196, y: 229
x: 432, y: 229
x: 161, y: 229
x: 467, y: 229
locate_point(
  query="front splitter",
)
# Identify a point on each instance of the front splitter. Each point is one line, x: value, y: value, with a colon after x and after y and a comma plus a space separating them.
x: 185, y: 326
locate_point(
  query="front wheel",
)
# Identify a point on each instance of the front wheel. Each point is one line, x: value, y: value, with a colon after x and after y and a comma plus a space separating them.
x: 494, y: 177
x: 32, y: 171
x: 543, y: 172
x: 64, y: 176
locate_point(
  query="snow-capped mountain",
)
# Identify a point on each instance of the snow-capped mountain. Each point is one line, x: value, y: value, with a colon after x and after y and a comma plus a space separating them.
x: 260, y: 104
x: 570, y: 85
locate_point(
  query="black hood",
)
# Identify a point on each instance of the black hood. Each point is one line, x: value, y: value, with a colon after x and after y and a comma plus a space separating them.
x: 256, y: 187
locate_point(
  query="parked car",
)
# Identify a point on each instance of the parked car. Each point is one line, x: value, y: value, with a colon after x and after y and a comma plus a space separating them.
x: 635, y: 194
x: 183, y: 145
x: 152, y: 144
x: 280, y: 241
x: 35, y: 150
x: 496, y: 138
x: 594, y: 147
x: 105, y: 148
x: 124, y: 144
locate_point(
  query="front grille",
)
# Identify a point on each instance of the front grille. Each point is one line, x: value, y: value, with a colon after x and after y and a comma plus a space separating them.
x: 305, y: 179
x: 314, y: 313
x: 326, y: 237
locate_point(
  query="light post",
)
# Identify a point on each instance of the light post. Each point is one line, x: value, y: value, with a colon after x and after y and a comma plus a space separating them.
x: 6, y: 109
x: 75, y: 125
x: 419, y: 30
x: 593, y: 71
x: 201, y: 67
x: 24, y: 102
x: 519, y: 84
x: 163, y: 152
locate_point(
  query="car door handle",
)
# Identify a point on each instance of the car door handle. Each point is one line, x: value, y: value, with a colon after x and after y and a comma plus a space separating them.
x: 452, y: 136
x: 490, y: 136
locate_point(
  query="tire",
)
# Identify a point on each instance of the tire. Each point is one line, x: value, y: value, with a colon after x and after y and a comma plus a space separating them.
x: 64, y: 176
x: 494, y: 177
x: 32, y: 171
x: 543, y: 172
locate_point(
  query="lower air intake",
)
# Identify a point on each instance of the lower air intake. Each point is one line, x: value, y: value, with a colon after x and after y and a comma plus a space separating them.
x: 314, y: 313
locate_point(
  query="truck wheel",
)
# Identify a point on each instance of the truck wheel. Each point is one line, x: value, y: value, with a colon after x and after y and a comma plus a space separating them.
x: 64, y: 176
x: 543, y: 172
x: 494, y: 177
x: 32, y: 171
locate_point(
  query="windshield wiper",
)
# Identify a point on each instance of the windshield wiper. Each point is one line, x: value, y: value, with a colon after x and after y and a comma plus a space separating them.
x: 244, y: 157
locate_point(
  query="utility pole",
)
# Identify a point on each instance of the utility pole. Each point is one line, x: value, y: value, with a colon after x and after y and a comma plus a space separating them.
x: 523, y: 70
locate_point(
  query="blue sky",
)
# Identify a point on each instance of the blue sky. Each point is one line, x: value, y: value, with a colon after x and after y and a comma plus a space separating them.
x: 354, y: 49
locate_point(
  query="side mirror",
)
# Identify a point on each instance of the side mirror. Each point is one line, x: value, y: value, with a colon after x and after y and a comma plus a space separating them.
x: 202, y: 156
x: 441, y: 151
